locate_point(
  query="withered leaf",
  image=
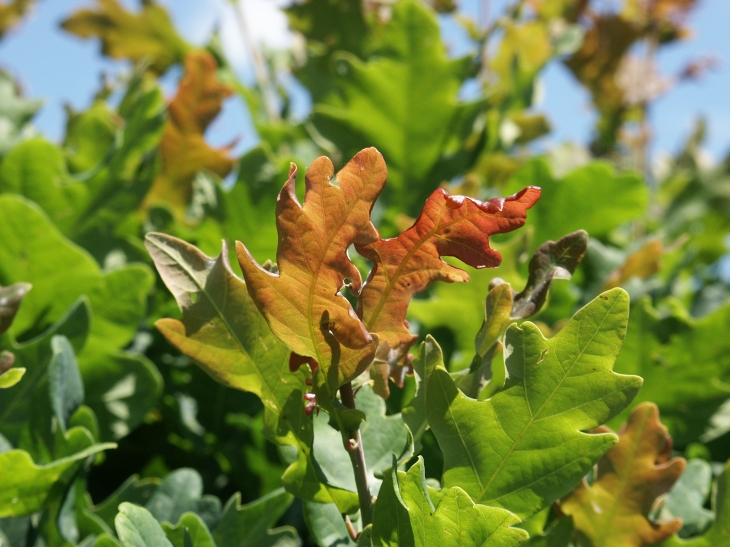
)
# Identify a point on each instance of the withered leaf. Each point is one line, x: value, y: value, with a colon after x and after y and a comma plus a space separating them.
x: 614, y: 510
x: 148, y: 35
x: 303, y: 304
x: 183, y: 148
x: 455, y: 226
x: 642, y: 263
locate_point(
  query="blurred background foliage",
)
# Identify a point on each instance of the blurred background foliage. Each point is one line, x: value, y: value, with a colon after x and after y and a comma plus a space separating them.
x: 74, y: 211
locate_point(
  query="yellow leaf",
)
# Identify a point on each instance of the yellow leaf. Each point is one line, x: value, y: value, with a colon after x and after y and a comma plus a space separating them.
x: 183, y: 148
x: 641, y: 264
x: 144, y: 36
x: 614, y: 510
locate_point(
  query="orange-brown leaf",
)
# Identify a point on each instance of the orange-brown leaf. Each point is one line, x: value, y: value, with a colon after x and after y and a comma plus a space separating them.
x: 405, y: 265
x: 614, y: 510
x: 184, y: 151
x: 302, y: 303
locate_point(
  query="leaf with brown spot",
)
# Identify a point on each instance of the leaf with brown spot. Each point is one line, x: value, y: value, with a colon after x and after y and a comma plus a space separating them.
x: 148, y: 35
x: 614, y: 510
x: 405, y: 265
x: 183, y: 148
x: 303, y: 304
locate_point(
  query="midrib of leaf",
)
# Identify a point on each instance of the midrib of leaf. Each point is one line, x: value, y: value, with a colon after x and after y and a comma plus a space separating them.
x: 390, y: 282
x: 315, y: 274
x: 624, y: 477
x: 534, y: 416
x: 220, y: 314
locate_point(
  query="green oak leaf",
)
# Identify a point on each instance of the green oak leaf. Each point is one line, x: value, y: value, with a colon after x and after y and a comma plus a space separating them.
x: 325, y: 523
x: 718, y: 535
x: 557, y: 534
x: 133, y: 490
x: 136, y: 527
x: 189, y: 531
x: 35, y: 356
x: 410, y: 514
x: 34, y: 251
x: 687, y: 377
x: 64, y: 381
x: 427, y: 358
x: 89, y: 136
x: 25, y: 486
x: 593, y: 198
x: 250, y: 525
x: 224, y: 333
x: 404, y: 101
x: 687, y: 498
x: 181, y: 492
x: 382, y: 437
x: 525, y: 447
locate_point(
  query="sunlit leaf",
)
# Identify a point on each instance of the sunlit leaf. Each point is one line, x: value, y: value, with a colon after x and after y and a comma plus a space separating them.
x: 408, y: 513
x: 12, y: 12
x: 147, y: 35
x: 448, y: 226
x: 136, y: 527
x: 302, y: 303
x: 404, y: 101
x: 523, y: 448
x: 184, y: 151
x: 15, y: 110
x: 25, y: 486
x: 614, y: 509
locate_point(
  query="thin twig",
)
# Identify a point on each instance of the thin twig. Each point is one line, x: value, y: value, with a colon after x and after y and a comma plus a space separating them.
x: 353, y: 445
x: 259, y: 64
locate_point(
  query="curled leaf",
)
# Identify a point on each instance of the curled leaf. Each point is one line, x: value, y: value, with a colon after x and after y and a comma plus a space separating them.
x: 10, y: 300
x: 455, y: 226
x: 144, y: 36
x: 614, y: 510
x: 552, y: 260
x: 302, y: 303
x: 183, y: 148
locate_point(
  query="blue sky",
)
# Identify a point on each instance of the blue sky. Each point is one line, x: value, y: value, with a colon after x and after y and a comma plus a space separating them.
x: 63, y: 69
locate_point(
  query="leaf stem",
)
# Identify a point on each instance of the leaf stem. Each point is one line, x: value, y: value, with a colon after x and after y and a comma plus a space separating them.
x: 353, y: 445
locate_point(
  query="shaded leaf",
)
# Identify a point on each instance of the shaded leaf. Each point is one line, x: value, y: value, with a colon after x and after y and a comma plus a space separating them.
x: 427, y: 358
x: 10, y: 299
x: 683, y: 374
x: 183, y: 149
x: 189, y: 530
x: 523, y: 448
x: 147, y: 35
x: 404, y: 101
x: 302, y: 303
x: 133, y: 490
x: 325, y: 523
x: 448, y: 226
x: 687, y: 498
x: 718, y: 534
x: 552, y: 260
x: 25, y: 486
x: 181, y: 492
x: 614, y: 510
x: 409, y: 513
x: 641, y: 264
x: 64, y: 381
x: 136, y: 527
x: 250, y: 525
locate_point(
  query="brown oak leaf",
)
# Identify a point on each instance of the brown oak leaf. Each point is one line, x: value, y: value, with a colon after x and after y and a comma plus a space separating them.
x: 455, y: 226
x: 184, y: 151
x: 302, y: 303
x: 614, y: 510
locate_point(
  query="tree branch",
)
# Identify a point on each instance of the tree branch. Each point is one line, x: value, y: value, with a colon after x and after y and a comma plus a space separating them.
x: 353, y: 445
